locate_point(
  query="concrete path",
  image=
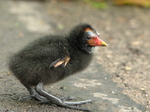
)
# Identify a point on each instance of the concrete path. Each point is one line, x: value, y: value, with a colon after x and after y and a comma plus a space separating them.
x: 22, y: 22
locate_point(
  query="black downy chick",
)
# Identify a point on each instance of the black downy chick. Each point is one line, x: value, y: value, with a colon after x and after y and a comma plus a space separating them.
x: 53, y: 58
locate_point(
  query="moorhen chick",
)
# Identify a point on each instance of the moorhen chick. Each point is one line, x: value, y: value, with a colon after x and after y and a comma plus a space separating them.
x: 52, y: 58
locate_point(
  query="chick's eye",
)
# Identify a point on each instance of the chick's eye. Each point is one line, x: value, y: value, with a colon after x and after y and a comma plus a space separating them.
x: 88, y: 37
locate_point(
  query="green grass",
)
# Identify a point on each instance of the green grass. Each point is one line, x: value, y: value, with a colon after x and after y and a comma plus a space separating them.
x: 96, y: 4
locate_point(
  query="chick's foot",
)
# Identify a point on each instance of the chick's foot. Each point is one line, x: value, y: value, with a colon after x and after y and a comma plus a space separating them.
x: 54, y: 100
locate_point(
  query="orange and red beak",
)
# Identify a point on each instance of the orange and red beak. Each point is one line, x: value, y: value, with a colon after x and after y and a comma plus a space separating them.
x: 95, y: 40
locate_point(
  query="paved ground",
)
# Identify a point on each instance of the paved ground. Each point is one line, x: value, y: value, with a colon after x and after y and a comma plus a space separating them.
x: 118, y: 78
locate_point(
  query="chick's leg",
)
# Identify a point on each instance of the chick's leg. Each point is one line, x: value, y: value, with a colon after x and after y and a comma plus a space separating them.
x: 33, y: 94
x: 57, y: 101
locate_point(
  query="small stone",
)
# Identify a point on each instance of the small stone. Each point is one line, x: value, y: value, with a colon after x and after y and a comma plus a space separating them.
x: 142, y: 89
x: 136, y: 43
x: 109, y: 56
x: 128, y: 68
x: 84, y: 88
x: 112, y: 92
x: 8, y: 73
x: 62, y: 87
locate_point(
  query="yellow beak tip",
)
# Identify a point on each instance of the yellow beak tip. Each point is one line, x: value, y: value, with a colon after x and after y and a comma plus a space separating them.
x: 103, y: 44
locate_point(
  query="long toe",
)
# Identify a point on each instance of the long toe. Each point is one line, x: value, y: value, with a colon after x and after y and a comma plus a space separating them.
x: 78, y: 102
x: 34, y: 96
x: 73, y: 107
x: 68, y: 98
x: 40, y: 98
x: 25, y: 98
x: 63, y: 104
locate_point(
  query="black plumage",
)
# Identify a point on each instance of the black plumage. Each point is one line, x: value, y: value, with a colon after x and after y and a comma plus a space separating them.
x: 52, y: 58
